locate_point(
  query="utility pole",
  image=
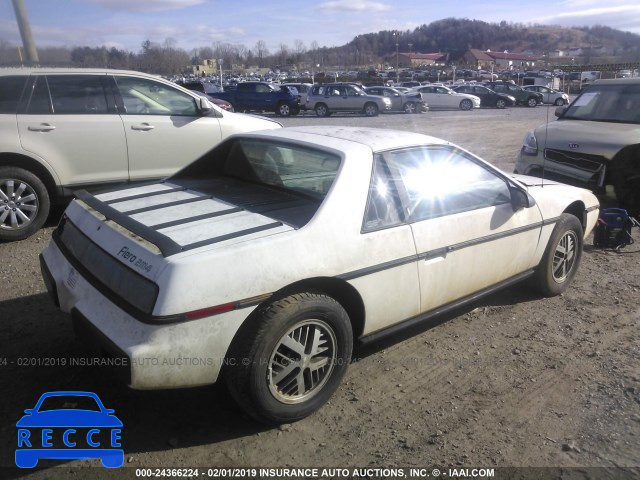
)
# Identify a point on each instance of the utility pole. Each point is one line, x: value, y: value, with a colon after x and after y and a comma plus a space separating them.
x: 25, y: 32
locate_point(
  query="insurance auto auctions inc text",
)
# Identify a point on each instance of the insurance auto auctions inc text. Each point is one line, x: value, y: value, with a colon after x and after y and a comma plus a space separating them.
x: 332, y: 473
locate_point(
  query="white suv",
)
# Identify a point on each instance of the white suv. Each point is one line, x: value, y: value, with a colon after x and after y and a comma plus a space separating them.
x: 66, y: 129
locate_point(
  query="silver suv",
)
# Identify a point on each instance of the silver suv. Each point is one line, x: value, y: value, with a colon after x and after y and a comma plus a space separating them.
x: 328, y: 98
x: 67, y: 129
x: 595, y: 143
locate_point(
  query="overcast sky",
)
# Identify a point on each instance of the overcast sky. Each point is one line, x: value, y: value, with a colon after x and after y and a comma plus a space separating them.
x: 125, y: 24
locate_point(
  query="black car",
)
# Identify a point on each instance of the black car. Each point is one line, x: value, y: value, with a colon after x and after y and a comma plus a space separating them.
x: 488, y: 98
x: 523, y: 97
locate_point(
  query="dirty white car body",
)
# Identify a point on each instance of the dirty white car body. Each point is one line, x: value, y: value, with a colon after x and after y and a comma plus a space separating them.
x: 273, y: 280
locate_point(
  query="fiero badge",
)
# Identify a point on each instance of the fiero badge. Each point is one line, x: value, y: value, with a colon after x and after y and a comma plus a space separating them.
x: 69, y: 425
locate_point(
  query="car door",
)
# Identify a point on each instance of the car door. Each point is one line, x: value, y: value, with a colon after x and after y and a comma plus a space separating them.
x: 468, y: 236
x: 164, y: 128
x: 72, y: 123
x: 430, y: 96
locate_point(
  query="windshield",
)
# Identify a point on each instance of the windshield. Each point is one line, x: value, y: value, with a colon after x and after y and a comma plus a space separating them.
x: 607, y: 103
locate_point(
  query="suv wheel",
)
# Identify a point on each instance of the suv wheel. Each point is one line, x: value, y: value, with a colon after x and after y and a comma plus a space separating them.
x: 284, y: 110
x: 322, y: 110
x: 24, y: 203
x: 371, y: 110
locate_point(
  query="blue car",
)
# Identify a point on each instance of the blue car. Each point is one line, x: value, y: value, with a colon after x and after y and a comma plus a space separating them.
x: 78, y: 424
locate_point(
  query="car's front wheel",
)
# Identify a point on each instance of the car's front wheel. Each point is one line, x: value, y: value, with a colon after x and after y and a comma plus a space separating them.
x: 466, y: 104
x: 24, y: 203
x: 371, y: 110
x: 500, y: 103
x: 289, y: 357
x: 559, y: 102
x: 531, y: 102
x: 561, y: 257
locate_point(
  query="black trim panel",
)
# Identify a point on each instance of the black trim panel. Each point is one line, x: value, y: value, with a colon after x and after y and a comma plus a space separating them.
x: 410, y: 322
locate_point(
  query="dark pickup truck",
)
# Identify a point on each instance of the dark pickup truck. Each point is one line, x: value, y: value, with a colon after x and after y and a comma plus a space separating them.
x: 261, y: 96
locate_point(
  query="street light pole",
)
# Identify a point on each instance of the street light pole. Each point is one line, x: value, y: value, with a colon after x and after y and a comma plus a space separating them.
x: 395, y: 34
x: 220, y: 64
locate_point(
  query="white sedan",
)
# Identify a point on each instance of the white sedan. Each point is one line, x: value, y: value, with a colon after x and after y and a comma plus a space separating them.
x: 439, y: 96
x: 267, y: 258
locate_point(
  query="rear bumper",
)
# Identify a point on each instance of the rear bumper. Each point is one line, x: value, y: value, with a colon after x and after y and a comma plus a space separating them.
x: 150, y: 356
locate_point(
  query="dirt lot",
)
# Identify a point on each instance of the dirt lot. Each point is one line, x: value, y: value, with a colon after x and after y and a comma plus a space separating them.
x: 515, y: 380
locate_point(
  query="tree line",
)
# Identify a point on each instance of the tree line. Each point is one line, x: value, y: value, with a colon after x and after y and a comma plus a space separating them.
x: 451, y: 36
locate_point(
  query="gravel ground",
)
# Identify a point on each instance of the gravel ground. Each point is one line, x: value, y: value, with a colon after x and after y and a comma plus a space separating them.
x: 515, y: 380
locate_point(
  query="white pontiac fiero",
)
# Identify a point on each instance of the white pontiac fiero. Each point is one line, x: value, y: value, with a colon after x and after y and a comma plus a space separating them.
x: 264, y: 260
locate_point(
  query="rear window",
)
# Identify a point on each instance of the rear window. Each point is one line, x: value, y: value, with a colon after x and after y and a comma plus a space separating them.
x: 10, y: 92
x: 284, y: 181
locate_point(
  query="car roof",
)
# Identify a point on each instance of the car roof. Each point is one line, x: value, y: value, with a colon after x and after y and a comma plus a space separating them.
x: 45, y: 70
x: 375, y: 138
x: 618, y: 81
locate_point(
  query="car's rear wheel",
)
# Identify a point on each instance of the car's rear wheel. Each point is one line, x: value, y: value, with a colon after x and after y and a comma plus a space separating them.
x: 531, y: 102
x: 466, y: 104
x: 284, y: 110
x: 24, y: 203
x: 322, y: 110
x: 410, y: 107
x: 289, y: 357
x: 500, y: 103
x: 371, y: 110
x: 561, y: 257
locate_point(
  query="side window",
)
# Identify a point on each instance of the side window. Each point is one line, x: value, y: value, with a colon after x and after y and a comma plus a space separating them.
x: 10, y: 92
x: 443, y: 180
x: 144, y: 96
x: 351, y: 92
x: 383, y: 204
x: 40, y: 101
x: 76, y: 94
x: 262, y: 88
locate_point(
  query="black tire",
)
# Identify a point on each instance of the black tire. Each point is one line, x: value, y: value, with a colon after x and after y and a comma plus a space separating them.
x: 284, y: 110
x: 24, y: 203
x: 561, y: 257
x: 559, y: 102
x: 501, y: 103
x: 532, y: 102
x: 271, y: 360
x: 322, y: 110
x: 410, y: 107
x: 370, y: 109
x: 466, y: 104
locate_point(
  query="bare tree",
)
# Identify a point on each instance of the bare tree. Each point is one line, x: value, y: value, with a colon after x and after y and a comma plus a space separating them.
x: 299, y: 49
x: 261, y: 51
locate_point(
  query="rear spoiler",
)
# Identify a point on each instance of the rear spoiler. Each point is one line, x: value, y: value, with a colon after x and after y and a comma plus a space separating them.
x: 165, y: 244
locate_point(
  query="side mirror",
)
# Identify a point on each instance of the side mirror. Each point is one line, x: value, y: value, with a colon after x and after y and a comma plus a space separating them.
x: 560, y: 111
x: 204, y: 106
x: 520, y: 198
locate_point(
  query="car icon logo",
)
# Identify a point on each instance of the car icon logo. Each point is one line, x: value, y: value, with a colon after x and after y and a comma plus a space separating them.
x: 69, y: 425
x: 574, y: 146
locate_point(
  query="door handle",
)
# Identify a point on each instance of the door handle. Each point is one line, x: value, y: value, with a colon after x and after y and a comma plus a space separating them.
x: 43, y: 127
x: 142, y: 126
